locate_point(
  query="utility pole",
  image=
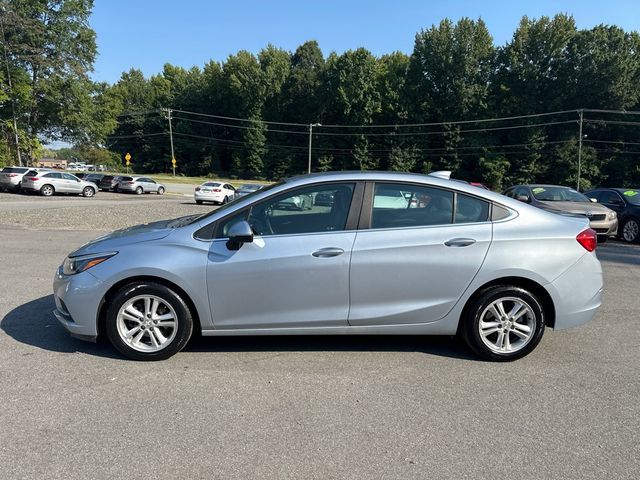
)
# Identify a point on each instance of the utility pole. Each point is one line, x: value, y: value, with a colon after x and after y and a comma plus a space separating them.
x: 581, y: 113
x: 173, y: 157
x: 13, y: 99
x: 311, y: 125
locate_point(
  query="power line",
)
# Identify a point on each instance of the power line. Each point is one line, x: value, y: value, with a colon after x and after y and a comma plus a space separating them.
x: 240, y: 119
x: 618, y: 142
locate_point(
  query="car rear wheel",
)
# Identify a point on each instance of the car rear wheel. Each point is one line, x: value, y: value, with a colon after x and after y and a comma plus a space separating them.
x: 88, y: 192
x: 503, y: 323
x: 47, y: 190
x: 139, y: 191
x: 199, y: 202
x: 148, y: 321
x: 226, y: 200
x: 631, y: 231
x: 161, y: 191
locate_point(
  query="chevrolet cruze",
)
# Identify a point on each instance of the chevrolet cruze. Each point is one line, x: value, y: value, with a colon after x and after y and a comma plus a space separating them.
x: 448, y: 259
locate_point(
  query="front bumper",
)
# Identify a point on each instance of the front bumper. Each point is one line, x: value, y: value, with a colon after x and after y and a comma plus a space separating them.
x: 605, y: 227
x: 78, y: 298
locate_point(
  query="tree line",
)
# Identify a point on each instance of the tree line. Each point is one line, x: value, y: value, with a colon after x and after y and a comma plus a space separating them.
x: 249, y: 116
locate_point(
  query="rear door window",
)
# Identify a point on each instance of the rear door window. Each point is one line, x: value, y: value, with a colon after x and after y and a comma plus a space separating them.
x: 403, y: 205
x: 470, y: 209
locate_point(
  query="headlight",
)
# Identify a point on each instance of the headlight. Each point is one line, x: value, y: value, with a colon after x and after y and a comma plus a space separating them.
x: 612, y: 215
x: 74, y: 265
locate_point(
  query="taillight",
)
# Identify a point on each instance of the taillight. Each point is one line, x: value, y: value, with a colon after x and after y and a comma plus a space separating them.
x: 12, y: 174
x: 33, y: 179
x: 588, y: 239
x: 130, y: 183
x: 217, y: 190
x: 197, y: 189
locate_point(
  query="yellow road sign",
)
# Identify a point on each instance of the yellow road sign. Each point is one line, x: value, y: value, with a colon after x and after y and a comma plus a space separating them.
x: 173, y: 160
x: 127, y: 157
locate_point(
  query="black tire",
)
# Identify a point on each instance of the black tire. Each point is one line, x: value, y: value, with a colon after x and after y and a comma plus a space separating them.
x: 630, y: 226
x: 160, y: 191
x: 603, y: 238
x: 184, y: 320
x: 480, y: 304
x: 139, y: 191
x: 47, y: 190
x: 199, y: 202
x: 88, y: 192
x: 225, y: 201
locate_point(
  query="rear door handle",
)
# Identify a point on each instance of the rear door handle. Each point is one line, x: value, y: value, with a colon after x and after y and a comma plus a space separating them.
x: 328, y: 252
x: 460, y: 242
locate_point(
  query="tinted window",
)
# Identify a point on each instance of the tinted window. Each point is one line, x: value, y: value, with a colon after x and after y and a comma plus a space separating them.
x: 210, y: 184
x: 609, y: 197
x: 471, y: 209
x: 67, y: 176
x: 14, y: 170
x: 399, y: 205
x: 295, y: 212
x: 53, y: 175
x: 124, y: 179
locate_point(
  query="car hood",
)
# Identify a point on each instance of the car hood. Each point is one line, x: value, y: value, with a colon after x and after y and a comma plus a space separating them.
x: 577, y: 208
x: 127, y: 236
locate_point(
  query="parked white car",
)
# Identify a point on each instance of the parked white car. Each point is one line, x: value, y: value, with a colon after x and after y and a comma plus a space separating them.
x: 11, y: 178
x: 49, y: 183
x: 215, y: 192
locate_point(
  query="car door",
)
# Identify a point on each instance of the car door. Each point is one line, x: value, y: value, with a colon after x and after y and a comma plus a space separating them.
x: 612, y: 199
x: 413, y: 261
x: 230, y: 190
x: 296, y: 271
x: 149, y: 185
x: 71, y: 183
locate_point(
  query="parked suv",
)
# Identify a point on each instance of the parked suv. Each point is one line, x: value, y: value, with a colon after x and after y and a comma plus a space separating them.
x: 11, y: 178
x: 139, y: 185
x: 109, y: 182
x: 567, y: 201
x: 49, y: 183
x: 626, y: 203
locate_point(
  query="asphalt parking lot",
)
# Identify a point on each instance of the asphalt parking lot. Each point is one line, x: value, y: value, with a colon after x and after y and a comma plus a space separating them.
x: 319, y: 407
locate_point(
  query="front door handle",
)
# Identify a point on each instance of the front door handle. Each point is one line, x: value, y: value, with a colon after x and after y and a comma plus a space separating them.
x: 460, y: 242
x: 328, y: 252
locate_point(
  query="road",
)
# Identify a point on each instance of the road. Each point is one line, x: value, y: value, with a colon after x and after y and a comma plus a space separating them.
x: 320, y: 407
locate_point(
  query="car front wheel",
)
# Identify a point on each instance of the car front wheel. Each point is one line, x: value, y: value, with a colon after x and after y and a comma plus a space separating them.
x: 631, y: 231
x: 88, y: 192
x: 148, y: 321
x: 503, y: 323
x: 160, y: 191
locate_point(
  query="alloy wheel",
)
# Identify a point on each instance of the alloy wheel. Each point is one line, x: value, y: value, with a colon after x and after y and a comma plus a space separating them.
x: 147, y: 323
x: 630, y: 230
x: 507, y: 325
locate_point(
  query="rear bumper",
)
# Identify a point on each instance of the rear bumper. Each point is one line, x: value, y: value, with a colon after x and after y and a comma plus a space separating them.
x: 577, y: 293
x: 209, y: 197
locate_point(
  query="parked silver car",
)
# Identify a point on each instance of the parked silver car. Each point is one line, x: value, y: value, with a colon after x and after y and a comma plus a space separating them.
x: 139, y: 185
x: 460, y: 260
x: 49, y: 183
x: 11, y: 178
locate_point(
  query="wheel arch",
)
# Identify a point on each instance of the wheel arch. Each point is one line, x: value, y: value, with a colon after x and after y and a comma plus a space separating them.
x: 102, y: 309
x: 534, y: 287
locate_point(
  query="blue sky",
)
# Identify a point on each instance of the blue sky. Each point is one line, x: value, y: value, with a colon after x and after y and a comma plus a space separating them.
x: 146, y: 34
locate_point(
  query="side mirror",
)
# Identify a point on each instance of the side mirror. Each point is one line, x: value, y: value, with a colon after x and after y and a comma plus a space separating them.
x: 239, y: 233
x: 523, y: 198
x: 594, y: 200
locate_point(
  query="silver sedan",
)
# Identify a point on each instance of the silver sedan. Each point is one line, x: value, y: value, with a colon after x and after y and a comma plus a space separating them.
x: 450, y: 259
x: 139, y: 185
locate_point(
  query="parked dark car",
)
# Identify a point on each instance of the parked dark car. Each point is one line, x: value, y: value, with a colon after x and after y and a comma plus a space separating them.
x: 567, y: 201
x: 109, y: 182
x: 626, y: 203
x: 94, y: 178
x: 81, y: 175
x: 246, y: 189
x: 324, y: 199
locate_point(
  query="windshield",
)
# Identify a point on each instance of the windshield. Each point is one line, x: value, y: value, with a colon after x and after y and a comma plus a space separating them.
x: 210, y: 184
x: 557, y: 194
x: 231, y: 204
x: 632, y: 196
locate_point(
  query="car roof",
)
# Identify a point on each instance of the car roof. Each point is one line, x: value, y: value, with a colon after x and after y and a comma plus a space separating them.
x: 379, y: 176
